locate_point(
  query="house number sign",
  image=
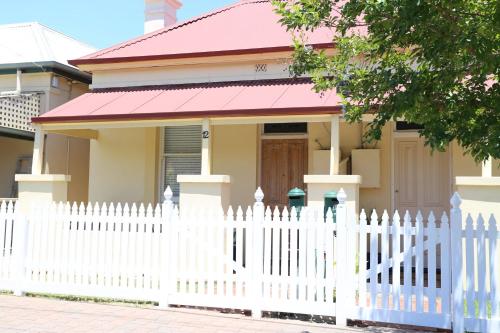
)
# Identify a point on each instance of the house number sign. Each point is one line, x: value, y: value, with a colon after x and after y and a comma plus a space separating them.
x: 205, y: 134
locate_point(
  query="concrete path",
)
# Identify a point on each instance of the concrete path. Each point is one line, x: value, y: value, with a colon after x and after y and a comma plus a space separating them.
x: 41, y: 315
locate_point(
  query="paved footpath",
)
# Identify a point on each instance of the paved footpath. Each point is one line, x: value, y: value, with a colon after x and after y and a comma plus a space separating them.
x: 41, y: 315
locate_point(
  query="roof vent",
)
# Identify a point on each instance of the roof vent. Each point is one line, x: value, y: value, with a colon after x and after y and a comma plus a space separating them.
x: 159, y: 14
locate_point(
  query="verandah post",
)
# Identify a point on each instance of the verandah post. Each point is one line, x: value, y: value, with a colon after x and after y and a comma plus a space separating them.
x: 257, y: 250
x: 344, y: 286
x: 20, y: 246
x: 457, y: 274
x: 167, y: 250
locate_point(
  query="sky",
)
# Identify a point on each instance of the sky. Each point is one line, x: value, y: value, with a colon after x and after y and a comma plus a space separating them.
x: 99, y: 23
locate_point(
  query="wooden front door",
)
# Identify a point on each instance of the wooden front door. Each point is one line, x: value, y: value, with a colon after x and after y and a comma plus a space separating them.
x: 284, y: 163
x: 422, y: 180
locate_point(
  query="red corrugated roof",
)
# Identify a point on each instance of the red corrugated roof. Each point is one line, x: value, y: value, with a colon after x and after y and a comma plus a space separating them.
x: 245, y: 27
x: 223, y: 99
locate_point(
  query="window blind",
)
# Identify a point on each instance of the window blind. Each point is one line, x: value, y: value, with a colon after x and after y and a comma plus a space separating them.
x: 182, y: 155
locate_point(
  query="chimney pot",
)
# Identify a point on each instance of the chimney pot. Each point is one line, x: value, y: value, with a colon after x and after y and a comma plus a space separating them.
x: 159, y: 14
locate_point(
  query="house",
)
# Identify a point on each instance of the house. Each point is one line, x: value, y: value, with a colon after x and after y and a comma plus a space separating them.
x: 207, y: 107
x: 35, y: 77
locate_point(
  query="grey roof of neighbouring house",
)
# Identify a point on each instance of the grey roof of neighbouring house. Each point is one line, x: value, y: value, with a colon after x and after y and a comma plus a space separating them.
x: 33, y: 42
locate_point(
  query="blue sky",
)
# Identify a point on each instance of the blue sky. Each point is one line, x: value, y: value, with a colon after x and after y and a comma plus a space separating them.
x: 100, y: 23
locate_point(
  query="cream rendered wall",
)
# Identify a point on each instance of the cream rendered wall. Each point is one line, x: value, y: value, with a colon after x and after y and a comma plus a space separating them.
x: 192, y: 73
x: 234, y: 153
x: 464, y: 165
x: 319, y: 138
x: 63, y: 155
x: 380, y: 198
x: 123, y: 166
x: 351, y: 138
x: 66, y: 155
x: 69, y: 156
x: 29, y: 82
x: 10, y: 150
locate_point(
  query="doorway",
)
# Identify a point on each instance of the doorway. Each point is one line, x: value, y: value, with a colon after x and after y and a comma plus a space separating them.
x: 284, y: 163
x: 422, y: 179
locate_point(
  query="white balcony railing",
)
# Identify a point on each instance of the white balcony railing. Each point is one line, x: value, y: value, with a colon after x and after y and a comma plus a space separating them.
x: 16, y: 112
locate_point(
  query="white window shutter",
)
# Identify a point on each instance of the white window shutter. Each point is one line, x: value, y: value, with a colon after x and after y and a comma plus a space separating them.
x: 182, y: 155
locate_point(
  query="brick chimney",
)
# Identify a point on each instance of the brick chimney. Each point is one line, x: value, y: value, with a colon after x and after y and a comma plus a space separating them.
x: 159, y: 14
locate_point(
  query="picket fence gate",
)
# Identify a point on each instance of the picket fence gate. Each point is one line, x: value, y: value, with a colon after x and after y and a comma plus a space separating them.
x: 431, y: 272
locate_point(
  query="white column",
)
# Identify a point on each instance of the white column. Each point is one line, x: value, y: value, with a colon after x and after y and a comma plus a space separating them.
x: 335, y: 145
x: 38, y: 151
x: 487, y: 170
x: 206, y: 148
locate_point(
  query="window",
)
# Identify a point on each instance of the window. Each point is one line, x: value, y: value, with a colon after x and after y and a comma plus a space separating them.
x: 406, y: 126
x: 285, y: 128
x: 182, y: 155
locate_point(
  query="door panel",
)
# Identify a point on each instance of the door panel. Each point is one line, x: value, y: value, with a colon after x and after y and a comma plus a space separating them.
x: 406, y: 176
x: 421, y: 179
x: 284, y: 163
x: 436, y: 181
x: 297, y: 157
x: 273, y: 164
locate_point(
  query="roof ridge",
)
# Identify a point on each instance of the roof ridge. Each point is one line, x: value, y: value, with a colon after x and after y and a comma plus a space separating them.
x: 44, y: 27
x: 171, y: 28
x: 41, y: 40
x: 62, y: 34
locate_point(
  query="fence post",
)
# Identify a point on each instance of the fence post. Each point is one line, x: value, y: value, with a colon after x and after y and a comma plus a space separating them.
x: 257, y: 244
x: 167, y: 249
x: 344, y: 287
x: 457, y: 274
x: 20, y: 246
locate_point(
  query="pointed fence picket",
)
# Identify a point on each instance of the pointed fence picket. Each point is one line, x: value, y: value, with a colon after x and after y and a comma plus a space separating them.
x: 423, y: 270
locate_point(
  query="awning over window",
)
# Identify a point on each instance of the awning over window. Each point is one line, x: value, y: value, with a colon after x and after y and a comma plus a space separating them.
x: 221, y: 99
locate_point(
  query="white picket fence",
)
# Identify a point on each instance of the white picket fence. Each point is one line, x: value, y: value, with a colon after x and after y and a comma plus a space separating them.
x: 103, y: 251
x: 424, y: 272
x: 392, y: 288
x: 476, y: 278
x: 7, y: 218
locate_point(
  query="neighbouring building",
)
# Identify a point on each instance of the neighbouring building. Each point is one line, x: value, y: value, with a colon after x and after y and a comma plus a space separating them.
x: 35, y: 77
x: 207, y: 107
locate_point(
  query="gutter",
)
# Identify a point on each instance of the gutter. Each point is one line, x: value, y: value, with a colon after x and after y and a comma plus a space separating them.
x: 298, y: 111
x: 67, y: 71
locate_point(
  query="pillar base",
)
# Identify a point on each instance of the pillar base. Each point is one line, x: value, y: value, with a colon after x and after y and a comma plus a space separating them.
x: 318, y: 185
x: 42, y: 188
x: 204, y: 191
x: 479, y: 195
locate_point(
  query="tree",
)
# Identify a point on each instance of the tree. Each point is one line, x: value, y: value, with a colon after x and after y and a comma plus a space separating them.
x: 430, y: 62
